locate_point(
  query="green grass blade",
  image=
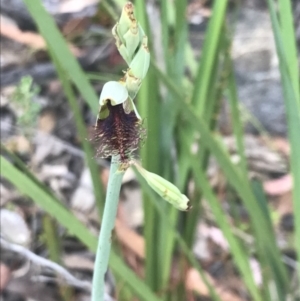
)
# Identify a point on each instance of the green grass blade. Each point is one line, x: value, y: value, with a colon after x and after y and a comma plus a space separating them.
x: 212, y: 37
x: 239, y: 254
x: 186, y: 164
x: 238, y: 128
x: 204, y: 87
x: 89, y: 154
x: 102, y: 77
x: 52, y: 239
x: 167, y: 24
x: 273, y: 259
x: 51, y: 205
x: 68, y: 67
x: 174, y: 36
x: 265, y: 238
x: 214, y: 96
x: 47, y: 202
x: 286, y: 49
x: 109, y: 10
x: 57, y: 44
x: 289, y: 41
x: 149, y: 107
x: 180, y: 38
x: 206, y: 70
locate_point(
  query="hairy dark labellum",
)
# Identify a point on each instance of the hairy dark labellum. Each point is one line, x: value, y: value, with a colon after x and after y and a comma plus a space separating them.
x: 117, y: 133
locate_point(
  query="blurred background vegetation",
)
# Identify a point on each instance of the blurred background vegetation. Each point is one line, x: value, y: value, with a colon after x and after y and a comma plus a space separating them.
x: 221, y: 104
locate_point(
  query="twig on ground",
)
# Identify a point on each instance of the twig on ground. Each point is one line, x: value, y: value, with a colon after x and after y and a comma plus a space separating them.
x: 62, y: 272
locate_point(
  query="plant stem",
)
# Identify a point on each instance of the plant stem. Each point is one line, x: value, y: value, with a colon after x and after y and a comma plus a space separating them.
x: 107, y: 225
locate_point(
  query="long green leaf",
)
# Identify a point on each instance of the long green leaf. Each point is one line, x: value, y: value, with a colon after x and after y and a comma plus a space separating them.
x: 149, y: 107
x: 51, y: 205
x: 212, y: 36
x: 83, y: 133
x: 239, y: 254
x: 174, y: 37
x: 68, y: 67
x: 57, y: 44
x: 202, y: 99
x: 266, y: 244
x: 288, y: 38
x: 235, y: 114
x: 214, y: 96
x: 286, y: 48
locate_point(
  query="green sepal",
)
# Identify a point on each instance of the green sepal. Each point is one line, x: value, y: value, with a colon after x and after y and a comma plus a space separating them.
x: 114, y: 91
x: 133, y: 84
x: 132, y: 41
x: 126, y: 20
x: 141, y: 61
x: 129, y: 106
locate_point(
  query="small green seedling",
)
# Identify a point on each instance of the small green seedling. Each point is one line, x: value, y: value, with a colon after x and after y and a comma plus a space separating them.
x: 27, y: 109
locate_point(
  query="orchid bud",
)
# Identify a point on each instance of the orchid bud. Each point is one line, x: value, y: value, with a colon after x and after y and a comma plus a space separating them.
x: 165, y: 189
x: 127, y: 33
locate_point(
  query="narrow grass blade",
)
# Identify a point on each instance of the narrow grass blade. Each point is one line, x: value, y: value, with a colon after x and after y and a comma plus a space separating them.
x: 286, y: 49
x: 288, y: 37
x: 215, y: 92
x: 89, y: 154
x: 212, y: 36
x: 110, y: 11
x: 102, y: 77
x: 68, y: 67
x: 201, y: 100
x: 239, y: 254
x: 206, y: 70
x: 238, y: 129
x: 148, y: 104
x: 265, y: 242
x: 57, y: 44
x: 51, y: 205
x: 52, y: 241
x: 167, y: 23
x: 174, y: 37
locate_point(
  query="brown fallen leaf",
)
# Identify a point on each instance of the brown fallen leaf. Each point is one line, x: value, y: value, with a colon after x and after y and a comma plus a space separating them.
x: 10, y: 30
x: 78, y: 262
x: 195, y: 283
x: 130, y: 239
x: 282, y: 145
x: 284, y: 204
x: 46, y: 122
x: 5, y: 274
x: 19, y: 144
x: 104, y: 177
x: 278, y: 186
x: 75, y: 27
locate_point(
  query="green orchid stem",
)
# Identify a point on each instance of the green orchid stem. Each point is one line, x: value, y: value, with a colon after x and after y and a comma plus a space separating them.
x: 107, y: 225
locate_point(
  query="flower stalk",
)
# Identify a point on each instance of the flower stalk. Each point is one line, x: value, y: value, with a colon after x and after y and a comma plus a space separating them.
x: 107, y: 225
